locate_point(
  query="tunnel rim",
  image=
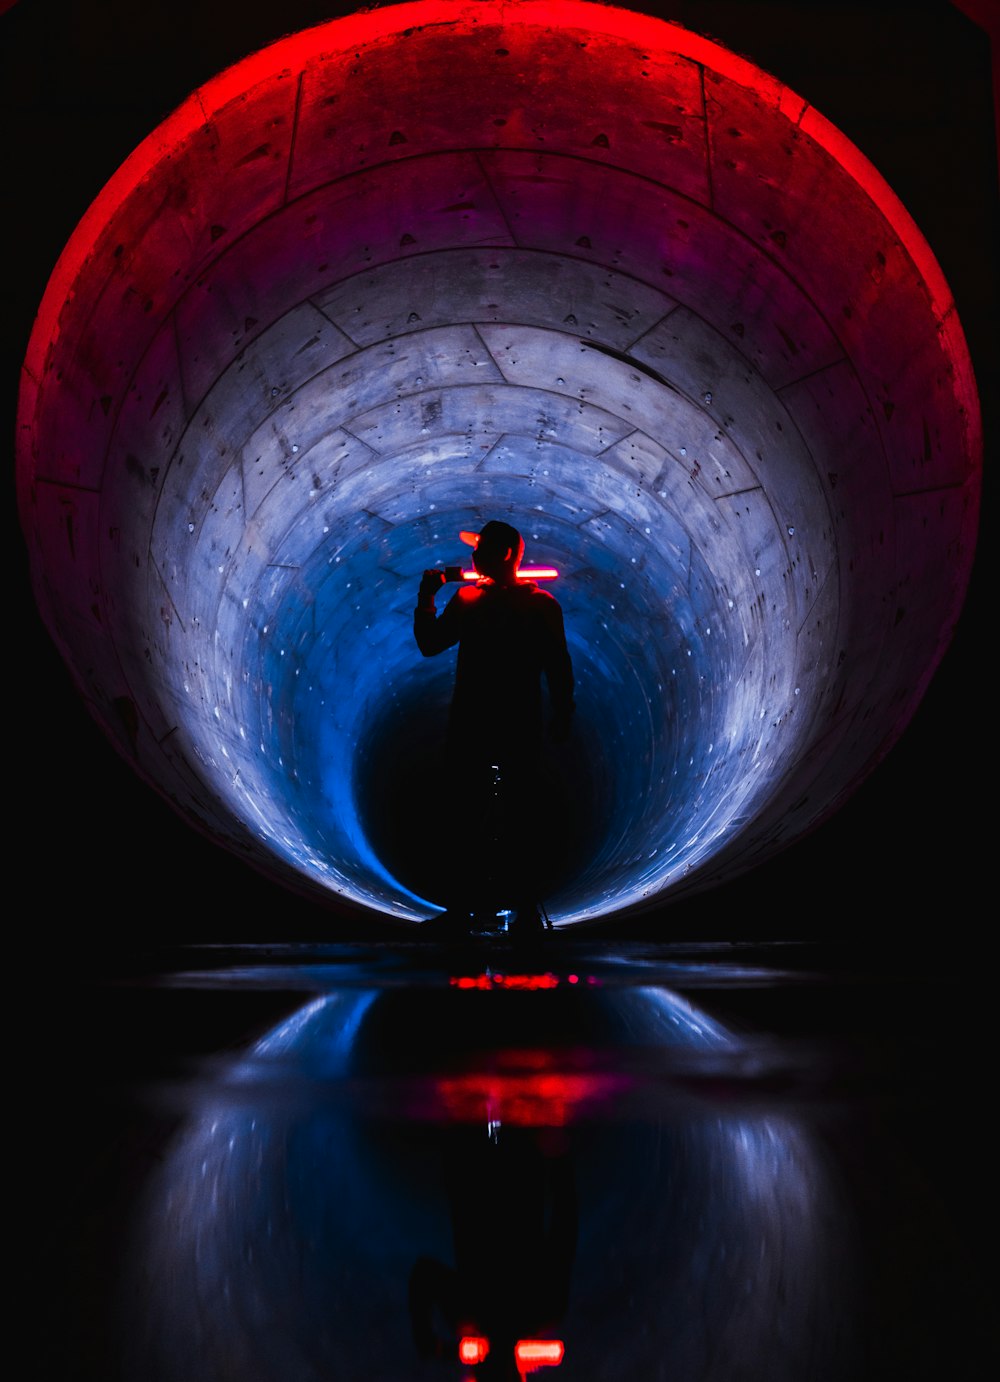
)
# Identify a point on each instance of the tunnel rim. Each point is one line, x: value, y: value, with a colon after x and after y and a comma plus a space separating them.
x: 379, y: 23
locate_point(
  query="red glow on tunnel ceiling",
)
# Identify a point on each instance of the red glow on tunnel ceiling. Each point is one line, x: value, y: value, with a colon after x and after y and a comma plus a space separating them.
x: 281, y: 60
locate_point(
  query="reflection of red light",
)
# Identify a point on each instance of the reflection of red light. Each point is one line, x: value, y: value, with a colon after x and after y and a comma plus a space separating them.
x: 505, y: 981
x: 473, y: 1348
x: 526, y: 573
x: 538, y: 1353
x: 525, y: 1100
x: 530, y: 981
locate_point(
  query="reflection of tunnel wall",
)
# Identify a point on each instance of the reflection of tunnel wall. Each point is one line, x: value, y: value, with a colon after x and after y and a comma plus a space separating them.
x: 607, y: 280
x: 279, y: 1232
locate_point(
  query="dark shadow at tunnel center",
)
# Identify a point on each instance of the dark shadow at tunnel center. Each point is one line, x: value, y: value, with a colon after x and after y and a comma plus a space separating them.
x: 410, y: 816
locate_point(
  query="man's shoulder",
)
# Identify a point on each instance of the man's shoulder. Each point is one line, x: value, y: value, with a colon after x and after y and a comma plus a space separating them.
x: 538, y: 596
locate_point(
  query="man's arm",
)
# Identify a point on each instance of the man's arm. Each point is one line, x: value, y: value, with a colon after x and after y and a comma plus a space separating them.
x: 432, y: 631
x: 558, y: 669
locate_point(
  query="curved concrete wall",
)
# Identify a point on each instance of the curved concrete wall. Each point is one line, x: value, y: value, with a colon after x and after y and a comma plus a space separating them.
x: 558, y: 263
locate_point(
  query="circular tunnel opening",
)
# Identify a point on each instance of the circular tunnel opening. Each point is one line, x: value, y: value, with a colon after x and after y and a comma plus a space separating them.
x: 640, y: 301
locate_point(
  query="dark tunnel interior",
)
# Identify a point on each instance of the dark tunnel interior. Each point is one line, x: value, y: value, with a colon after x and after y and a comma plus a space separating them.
x: 305, y: 335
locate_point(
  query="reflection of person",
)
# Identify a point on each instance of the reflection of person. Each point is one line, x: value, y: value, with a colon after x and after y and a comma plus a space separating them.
x: 510, y: 635
x: 514, y: 1218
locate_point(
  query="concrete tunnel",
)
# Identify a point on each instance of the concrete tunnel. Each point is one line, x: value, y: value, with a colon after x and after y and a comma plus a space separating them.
x: 559, y: 263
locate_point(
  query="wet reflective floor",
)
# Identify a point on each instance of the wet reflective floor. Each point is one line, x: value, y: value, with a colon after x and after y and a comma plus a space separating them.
x: 566, y: 1160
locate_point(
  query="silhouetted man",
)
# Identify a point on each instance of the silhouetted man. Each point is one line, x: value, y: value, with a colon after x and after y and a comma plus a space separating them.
x: 510, y: 635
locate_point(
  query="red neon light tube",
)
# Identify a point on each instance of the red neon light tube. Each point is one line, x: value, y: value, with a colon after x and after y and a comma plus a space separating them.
x: 529, y: 573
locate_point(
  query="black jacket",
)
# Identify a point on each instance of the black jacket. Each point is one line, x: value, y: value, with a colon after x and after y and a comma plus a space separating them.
x: 508, y: 638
